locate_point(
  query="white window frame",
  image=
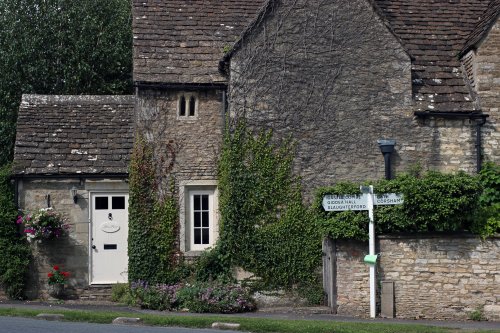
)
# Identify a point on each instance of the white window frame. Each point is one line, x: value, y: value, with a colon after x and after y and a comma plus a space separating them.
x: 200, y: 247
x: 186, y: 191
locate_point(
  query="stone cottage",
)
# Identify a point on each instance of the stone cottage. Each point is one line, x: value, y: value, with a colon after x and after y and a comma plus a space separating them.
x: 72, y: 154
x: 335, y: 75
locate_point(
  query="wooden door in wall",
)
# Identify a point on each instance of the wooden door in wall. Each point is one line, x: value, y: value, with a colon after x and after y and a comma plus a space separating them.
x: 108, y: 241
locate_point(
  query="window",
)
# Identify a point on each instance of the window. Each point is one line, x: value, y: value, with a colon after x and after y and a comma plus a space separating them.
x: 187, y: 106
x: 198, y: 216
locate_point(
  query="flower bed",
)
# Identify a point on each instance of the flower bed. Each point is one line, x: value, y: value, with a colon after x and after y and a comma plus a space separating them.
x: 198, y: 297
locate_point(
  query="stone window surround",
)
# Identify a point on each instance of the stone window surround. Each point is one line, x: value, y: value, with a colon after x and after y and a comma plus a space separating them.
x: 184, y: 188
x: 187, y: 96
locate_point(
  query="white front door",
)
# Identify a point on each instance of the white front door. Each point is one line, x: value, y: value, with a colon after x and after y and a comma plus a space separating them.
x: 109, y: 220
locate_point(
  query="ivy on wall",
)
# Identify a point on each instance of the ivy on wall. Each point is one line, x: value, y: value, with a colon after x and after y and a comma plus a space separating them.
x: 487, y: 221
x: 264, y: 226
x: 153, y: 222
x: 15, y: 250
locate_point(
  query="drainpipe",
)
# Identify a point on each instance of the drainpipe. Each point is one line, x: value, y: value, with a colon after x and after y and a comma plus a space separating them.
x: 479, y: 157
x: 386, y: 148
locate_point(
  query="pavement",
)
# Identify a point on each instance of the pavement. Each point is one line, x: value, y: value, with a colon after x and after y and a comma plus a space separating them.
x: 289, y: 313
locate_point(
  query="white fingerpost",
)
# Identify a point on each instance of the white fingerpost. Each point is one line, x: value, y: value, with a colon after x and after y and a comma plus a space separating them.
x: 368, y: 190
x: 366, y: 201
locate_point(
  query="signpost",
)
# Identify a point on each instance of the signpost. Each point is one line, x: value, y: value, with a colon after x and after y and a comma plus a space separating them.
x: 364, y: 201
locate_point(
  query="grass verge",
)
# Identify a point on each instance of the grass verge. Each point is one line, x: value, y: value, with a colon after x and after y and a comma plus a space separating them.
x: 256, y: 325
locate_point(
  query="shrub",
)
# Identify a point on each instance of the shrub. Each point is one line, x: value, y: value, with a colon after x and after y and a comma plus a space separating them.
x: 198, y: 297
x: 432, y: 202
x: 216, y: 298
x: 120, y: 292
x: 13, y: 247
x: 156, y: 297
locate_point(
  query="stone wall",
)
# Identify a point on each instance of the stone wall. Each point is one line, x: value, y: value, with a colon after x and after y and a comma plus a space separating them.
x: 487, y: 70
x: 438, y: 277
x: 70, y: 252
x: 335, y: 79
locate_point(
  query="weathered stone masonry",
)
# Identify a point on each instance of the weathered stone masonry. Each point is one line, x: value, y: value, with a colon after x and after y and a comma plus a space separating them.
x: 436, y: 276
x: 337, y: 91
x: 187, y: 148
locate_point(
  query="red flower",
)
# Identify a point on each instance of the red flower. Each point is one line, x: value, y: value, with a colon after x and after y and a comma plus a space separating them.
x: 56, y: 268
x: 65, y: 274
x: 50, y: 275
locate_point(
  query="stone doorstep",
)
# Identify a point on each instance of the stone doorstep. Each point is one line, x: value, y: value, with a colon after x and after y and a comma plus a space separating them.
x: 95, y: 292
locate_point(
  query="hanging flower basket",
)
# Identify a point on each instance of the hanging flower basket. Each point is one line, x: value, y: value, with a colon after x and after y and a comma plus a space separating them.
x: 43, y: 224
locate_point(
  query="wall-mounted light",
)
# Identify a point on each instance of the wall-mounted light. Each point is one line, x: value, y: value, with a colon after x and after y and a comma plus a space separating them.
x: 74, y: 192
x: 387, y: 147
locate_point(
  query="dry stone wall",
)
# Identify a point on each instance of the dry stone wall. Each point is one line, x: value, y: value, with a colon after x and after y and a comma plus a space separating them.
x: 439, y: 277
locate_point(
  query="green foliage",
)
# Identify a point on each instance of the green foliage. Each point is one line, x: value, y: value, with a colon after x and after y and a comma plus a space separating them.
x: 13, y: 247
x: 152, y: 223
x: 313, y: 293
x: 120, y: 293
x: 477, y: 314
x: 61, y: 47
x: 487, y: 221
x: 264, y: 226
x: 432, y: 202
x: 490, y: 180
x: 198, y: 297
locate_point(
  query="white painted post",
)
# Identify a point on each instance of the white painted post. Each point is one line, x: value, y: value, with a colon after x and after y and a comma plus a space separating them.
x: 371, y: 245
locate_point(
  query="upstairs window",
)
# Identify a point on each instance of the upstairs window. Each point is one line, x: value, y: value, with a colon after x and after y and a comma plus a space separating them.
x: 187, y: 106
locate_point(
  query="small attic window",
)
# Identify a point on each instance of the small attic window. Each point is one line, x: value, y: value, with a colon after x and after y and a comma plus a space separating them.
x: 187, y: 105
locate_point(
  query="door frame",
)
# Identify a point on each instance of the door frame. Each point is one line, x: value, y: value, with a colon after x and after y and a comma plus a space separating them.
x: 91, y: 193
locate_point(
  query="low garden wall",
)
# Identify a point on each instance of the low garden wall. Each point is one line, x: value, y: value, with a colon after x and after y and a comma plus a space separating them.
x: 435, y: 276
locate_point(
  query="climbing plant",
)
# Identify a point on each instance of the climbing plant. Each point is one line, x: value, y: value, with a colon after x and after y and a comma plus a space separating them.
x: 13, y: 246
x: 487, y: 221
x: 153, y: 222
x: 264, y: 226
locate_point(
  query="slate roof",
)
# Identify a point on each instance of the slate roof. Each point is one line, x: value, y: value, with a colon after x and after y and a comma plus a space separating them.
x: 182, y: 41
x: 73, y: 134
x: 434, y: 32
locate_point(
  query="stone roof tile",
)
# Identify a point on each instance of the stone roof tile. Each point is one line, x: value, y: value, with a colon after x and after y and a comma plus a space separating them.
x: 434, y: 32
x: 178, y: 41
x: 74, y: 134
x: 490, y: 16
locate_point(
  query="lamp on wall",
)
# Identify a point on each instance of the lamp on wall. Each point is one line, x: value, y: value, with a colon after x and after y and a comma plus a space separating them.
x: 387, y: 147
x: 74, y: 192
